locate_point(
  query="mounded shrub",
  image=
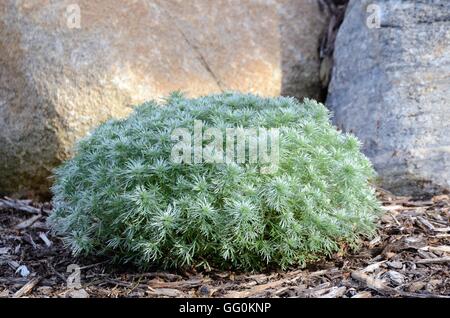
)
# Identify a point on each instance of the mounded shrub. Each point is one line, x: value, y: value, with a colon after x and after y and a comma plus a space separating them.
x: 122, y: 196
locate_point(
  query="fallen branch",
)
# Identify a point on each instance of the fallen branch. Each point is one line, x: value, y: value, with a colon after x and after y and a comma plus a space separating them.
x: 436, y: 260
x: 363, y: 294
x: 373, y: 267
x: 258, y: 289
x: 440, y: 249
x: 381, y: 288
x: 255, y: 290
x: 315, y: 292
x: 23, y: 225
x: 27, y: 288
x: 186, y: 284
x: 442, y: 229
x: 335, y: 292
x: 45, y: 239
x: 389, y: 208
x: 163, y: 275
x: 426, y: 223
x: 165, y: 292
x: 373, y: 283
x: 19, y: 205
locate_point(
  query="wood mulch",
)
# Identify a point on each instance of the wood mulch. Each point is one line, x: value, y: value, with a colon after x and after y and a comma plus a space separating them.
x: 409, y: 257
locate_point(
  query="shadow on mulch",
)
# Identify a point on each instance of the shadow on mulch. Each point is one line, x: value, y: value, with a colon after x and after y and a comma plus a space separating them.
x: 409, y: 257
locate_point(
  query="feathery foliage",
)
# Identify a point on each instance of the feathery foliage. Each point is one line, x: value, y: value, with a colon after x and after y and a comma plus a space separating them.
x: 121, y: 195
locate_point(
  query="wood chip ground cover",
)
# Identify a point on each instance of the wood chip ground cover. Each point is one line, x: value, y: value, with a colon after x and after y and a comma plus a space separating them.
x: 410, y: 257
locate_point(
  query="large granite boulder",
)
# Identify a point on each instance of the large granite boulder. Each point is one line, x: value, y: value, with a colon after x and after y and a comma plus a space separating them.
x: 391, y: 87
x: 67, y: 65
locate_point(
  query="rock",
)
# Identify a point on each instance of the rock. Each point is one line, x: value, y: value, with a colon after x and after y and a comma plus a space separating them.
x: 66, y: 67
x: 433, y: 284
x: 416, y: 286
x: 395, y: 264
x: 390, y: 86
x: 23, y: 271
x: 204, y: 291
x: 396, y: 278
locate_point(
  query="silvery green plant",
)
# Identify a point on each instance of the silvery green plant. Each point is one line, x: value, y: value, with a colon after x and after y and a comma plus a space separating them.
x: 121, y: 196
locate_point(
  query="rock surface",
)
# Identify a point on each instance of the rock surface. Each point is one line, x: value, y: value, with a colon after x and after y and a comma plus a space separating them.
x: 61, y: 72
x: 391, y: 87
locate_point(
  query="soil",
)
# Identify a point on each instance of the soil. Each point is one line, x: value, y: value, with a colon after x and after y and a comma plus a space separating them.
x: 409, y: 257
